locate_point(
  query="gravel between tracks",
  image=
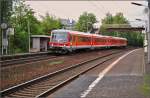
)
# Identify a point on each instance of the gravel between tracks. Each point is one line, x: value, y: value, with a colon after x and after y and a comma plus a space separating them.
x: 38, y: 87
x: 15, y: 75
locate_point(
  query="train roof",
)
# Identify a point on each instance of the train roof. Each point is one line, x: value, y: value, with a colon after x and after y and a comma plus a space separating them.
x: 109, y: 36
x: 72, y: 32
x: 88, y: 34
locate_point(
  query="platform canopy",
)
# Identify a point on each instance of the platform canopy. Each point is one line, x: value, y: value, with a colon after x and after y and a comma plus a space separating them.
x: 39, y: 43
x: 40, y: 36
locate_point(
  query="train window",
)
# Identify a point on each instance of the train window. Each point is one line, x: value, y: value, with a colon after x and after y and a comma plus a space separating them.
x: 59, y: 37
x: 100, y: 40
x: 72, y: 38
x: 84, y: 39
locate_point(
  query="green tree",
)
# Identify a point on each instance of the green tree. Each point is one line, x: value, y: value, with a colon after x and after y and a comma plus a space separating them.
x: 85, y: 22
x: 5, y: 10
x: 119, y: 21
x: 108, y: 19
x: 49, y: 23
x: 23, y: 19
x: 22, y: 16
x: 5, y: 13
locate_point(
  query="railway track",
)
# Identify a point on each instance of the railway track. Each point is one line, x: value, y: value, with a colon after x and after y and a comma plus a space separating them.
x: 21, y: 59
x: 47, y: 84
x: 9, y: 60
x: 21, y: 55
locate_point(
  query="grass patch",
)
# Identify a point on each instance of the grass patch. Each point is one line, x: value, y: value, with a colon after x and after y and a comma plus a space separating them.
x: 146, y: 85
x: 56, y: 62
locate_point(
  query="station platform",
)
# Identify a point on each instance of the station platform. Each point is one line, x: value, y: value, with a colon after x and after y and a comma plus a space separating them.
x: 124, y: 80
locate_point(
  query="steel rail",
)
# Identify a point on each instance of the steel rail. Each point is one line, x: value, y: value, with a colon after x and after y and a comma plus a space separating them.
x: 39, y: 79
x: 53, y: 89
x: 9, y: 62
x: 24, y: 60
x: 7, y: 57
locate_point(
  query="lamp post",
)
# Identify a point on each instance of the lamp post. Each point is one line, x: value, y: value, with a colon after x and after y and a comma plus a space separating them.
x: 4, y: 38
x: 28, y: 25
x: 145, y: 33
x: 148, y: 33
x: 138, y: 4
x: 146, y: 24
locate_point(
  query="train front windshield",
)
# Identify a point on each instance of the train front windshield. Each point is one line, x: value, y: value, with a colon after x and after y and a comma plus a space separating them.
x: 60, y: 37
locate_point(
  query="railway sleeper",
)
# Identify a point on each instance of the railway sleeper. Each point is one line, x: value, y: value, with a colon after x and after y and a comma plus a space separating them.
x: 12, y: 96
x: 30, y: 90
x: 24, y: 94
x: 44, y: 87
x: 19, y: 96
x: 36, y: 89
x: 31, y: 94
x: 51, y: 82
x: 43, y: 84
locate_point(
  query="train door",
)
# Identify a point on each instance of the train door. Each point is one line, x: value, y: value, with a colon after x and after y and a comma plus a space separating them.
x: 92, y: 42
x: 74, y: 42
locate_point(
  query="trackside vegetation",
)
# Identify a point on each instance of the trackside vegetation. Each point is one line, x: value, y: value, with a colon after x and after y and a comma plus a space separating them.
x: 22, y: 18
x: 145, y: 87
x: 85, y: 22
x: 135, y: 38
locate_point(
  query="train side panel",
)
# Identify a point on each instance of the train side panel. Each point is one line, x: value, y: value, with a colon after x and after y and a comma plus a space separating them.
x: 77, y: 40
x: 83, y: 41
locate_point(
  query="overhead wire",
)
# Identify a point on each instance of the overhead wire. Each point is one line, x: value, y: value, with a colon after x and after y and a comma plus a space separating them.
x: 99, y: 10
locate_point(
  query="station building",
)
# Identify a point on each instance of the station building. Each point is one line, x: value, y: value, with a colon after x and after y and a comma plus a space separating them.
x: 39, y: 43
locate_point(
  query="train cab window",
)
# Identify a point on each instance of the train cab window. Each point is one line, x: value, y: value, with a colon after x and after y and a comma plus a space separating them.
x: 59, y: 37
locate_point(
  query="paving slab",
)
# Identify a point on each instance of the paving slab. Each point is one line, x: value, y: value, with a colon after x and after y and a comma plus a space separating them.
x: 122, y: 86
x: 124, y: 80
x: 147, y: 65
x: 75, y: 88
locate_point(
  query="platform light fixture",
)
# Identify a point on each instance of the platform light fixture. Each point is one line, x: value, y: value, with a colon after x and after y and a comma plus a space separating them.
x: 138, y: 4
x: 148, y: 33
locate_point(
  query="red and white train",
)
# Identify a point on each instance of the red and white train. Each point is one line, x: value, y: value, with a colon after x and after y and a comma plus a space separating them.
x: 68, y: 41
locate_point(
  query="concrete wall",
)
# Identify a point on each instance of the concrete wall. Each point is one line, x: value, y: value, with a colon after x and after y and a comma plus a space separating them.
x: 36, y: 44
x: 39, y: 44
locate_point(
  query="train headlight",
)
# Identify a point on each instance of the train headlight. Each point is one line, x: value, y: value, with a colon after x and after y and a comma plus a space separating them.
x: 64, y: 45
x: 51, y: 44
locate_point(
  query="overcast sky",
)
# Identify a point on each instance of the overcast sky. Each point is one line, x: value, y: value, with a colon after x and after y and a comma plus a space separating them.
x: 73, y: 9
